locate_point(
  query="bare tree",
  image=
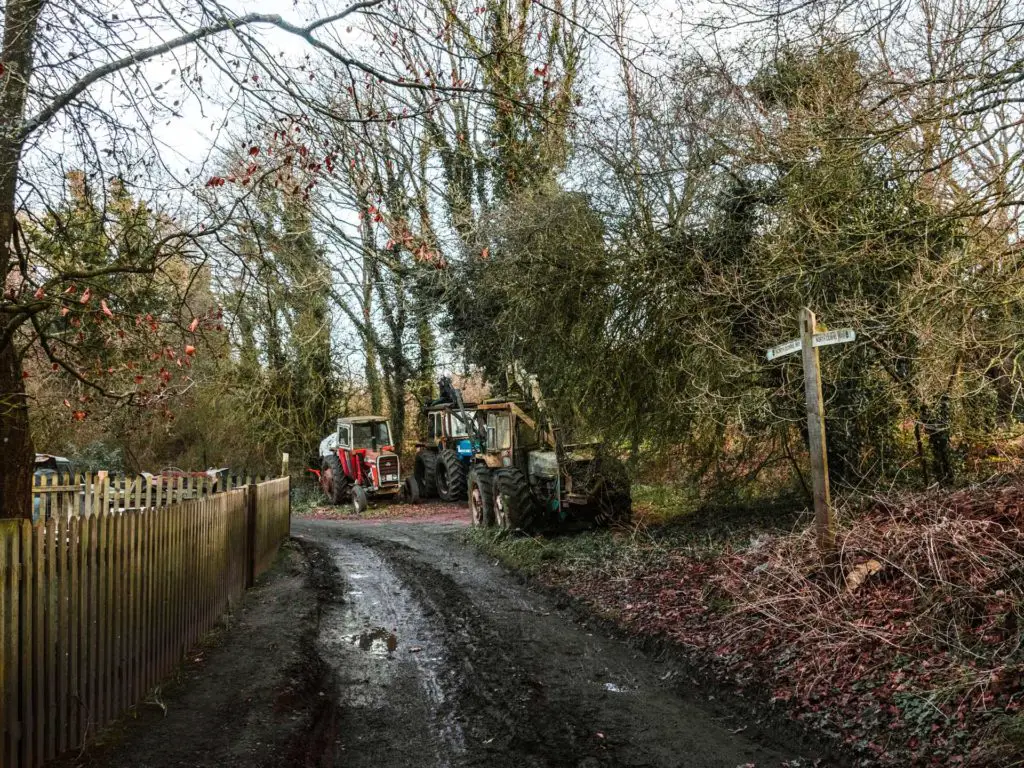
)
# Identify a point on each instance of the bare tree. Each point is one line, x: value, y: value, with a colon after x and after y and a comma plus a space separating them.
x: 80, y: 76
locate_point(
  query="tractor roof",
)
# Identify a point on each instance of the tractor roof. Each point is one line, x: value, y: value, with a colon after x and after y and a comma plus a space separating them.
x: 509, y: 406
x: 496, y: 405
x: 448, y: 404
x: 361, y: 419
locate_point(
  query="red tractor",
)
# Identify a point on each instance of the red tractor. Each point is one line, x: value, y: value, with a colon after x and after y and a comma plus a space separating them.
x: 358, y: 461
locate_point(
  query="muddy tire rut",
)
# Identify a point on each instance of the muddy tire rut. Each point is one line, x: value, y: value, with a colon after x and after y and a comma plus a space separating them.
x: 443, y: 659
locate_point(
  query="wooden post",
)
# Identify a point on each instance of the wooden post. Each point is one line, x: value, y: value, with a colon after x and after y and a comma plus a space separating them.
x: 284, y: 465
x: 824, y: 520
x: 10, y: 572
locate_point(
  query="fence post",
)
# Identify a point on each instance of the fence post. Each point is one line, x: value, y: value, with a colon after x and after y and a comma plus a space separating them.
x: 284, y: 465
x: 250, y: 536
x: 10, y: 574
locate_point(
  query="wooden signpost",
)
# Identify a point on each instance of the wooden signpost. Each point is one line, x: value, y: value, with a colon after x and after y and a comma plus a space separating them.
x: 808, y: 343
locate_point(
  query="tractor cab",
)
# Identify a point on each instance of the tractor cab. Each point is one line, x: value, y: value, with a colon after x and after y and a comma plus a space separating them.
x: 365, y: 433
x: 508, y: 433
x: 510, y: 436
x: 358, y: 461
x: 448, y: 427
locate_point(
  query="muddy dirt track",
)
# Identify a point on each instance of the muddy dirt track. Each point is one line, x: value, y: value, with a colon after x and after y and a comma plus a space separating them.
x: 442, y: 658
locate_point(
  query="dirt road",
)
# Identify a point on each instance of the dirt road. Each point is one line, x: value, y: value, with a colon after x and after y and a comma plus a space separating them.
x: 444, y: 659
x: 256, y: 695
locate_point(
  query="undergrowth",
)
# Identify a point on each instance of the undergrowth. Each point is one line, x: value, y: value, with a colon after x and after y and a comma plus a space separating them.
x: 306, y: 497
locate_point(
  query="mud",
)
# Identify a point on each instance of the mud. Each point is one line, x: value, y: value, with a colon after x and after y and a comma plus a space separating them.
x: 391, y: 644
x: 255, y: 694
x: 442, y: 658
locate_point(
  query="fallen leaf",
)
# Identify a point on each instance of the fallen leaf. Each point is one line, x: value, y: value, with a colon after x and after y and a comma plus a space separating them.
x: 857, y: 575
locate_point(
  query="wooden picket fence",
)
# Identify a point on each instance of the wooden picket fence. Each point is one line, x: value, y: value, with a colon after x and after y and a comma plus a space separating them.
x: 89, y: 493
x: 274, y: 526
x: 96, y: 609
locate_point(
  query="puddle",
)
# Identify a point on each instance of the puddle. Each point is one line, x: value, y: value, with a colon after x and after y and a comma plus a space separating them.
x: 377, y: 641
x: 382, y: 676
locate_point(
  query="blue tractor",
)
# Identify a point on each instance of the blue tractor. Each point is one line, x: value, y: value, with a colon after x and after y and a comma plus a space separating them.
x: 443, y: 460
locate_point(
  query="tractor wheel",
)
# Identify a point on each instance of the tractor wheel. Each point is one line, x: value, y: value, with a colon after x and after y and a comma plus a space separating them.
x: 481, y: 496
x: 359, y: 502
x: 614, y: 499
x: 425, y: 473
x: 451, y: 476
x: 514, y: 507
x: 333, y: 480
x: 410, y: 491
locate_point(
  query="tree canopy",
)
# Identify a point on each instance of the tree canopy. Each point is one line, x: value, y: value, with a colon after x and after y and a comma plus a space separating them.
x: 568, y: 201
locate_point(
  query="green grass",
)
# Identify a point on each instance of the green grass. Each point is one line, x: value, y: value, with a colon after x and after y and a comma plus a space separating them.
x: 739, y: 521
x: 536, y: 554
x: 1011, y: 735
x: 529, y: 554
x: 665, y: 503
x: 724, y: 516
x: 668, y: 519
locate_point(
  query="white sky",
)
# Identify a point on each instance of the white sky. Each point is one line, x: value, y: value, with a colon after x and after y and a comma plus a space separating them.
x: 190, y: 137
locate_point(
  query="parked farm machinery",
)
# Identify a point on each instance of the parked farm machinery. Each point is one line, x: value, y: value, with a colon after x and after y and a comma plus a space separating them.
x: 525, y: 478
x: 358, y: 462
x: 516, y: 473
x: 445, y: 457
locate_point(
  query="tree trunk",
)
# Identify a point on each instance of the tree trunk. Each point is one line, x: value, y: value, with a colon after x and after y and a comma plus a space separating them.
x: 373, y: 382
x: 373, y: 377
x: 395, y: 381
x: 424, y: 388
x: 397, y: 408
x: 17, y: 456
x: 922, y: 460
x: 936, y: 427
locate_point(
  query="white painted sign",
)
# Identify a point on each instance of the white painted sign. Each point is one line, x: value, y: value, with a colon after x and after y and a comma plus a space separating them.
x: 791, y: 346
x: 840, y: 336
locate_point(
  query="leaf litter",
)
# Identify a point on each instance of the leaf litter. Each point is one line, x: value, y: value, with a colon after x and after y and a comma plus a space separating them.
x: 917, y: 661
